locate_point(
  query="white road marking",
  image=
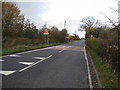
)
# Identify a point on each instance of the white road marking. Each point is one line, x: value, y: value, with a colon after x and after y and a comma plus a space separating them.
x: 7, y: 72
x: 64, y: 49
x: 63, y: 46
x: 69, y: 46
x: 34, y: 50
x: 39, y: 57
x: 29, y: 51
x: 61, y: 50
x: 1, y: 60
x: 14, y: 55
x: 57, y: 46
x: 26, y: 63
x: 34, y: 64
x: 89, y: 75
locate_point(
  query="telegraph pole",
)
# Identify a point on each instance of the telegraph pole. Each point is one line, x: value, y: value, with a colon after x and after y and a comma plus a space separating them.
x: 65, y: 24
x: 119, y: 12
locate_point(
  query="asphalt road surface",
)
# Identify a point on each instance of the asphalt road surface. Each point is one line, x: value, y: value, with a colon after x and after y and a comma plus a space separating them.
x: 62, y: 66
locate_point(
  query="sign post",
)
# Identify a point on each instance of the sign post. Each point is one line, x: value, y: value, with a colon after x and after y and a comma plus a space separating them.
x: 46, y: 33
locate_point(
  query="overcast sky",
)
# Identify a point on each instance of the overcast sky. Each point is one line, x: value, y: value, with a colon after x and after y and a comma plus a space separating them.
x: 55, y: 12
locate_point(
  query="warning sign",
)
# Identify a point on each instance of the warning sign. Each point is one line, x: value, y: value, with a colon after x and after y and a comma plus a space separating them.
x: 46, y: 32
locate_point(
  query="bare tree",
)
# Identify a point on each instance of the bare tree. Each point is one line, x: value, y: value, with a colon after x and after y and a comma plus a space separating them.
x: 88, y: 22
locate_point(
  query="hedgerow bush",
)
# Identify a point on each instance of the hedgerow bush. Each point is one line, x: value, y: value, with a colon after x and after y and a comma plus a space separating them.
x: 108, y: 50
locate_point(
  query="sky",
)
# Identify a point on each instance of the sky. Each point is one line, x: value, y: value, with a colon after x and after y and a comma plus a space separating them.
x: 55, y: 12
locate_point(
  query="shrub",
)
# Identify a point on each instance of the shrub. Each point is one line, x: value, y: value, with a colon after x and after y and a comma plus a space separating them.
x: 108, y: 50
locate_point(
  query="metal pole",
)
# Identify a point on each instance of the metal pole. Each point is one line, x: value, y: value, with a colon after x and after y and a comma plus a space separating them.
x: 48, y: 39
x: 65, y: 25
x: 45, y: 38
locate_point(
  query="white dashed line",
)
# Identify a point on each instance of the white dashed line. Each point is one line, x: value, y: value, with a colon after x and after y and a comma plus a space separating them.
x: 26, y: 63
x: 1, y: 60
x: 39, y: 57
x: 34, y: 64
x: 14, y: 55
x: 61, y: 51
x: 7, y: 72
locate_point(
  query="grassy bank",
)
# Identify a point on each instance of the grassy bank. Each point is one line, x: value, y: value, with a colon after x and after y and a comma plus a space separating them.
x: 108, y: 78
x: 20, y: 48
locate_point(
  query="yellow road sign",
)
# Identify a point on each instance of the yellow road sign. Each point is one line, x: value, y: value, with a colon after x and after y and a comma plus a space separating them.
x: 46, y: 31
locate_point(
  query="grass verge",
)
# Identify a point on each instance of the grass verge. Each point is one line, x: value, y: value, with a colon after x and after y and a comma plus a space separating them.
x: 108, y: 78
x: 20, y: 48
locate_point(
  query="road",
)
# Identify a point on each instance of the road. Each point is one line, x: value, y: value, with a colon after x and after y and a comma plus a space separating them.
x: 62, y: 66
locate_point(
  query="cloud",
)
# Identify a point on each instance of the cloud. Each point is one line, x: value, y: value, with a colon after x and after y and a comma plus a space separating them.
x: 74, y: 10
x: 55, y: 12
x: 33, y: 11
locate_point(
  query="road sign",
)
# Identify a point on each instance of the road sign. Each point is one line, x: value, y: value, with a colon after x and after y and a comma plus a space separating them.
x: 46, y: 35
x: 46, y: 32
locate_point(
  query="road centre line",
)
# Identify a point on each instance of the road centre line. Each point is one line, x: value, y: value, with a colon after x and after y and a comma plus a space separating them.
x: 34, y: 64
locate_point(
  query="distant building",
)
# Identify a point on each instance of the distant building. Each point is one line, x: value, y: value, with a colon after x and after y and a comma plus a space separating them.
x: 119, y: 12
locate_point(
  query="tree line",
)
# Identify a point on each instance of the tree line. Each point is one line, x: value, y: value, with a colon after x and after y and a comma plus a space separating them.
x: 16, y: 30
